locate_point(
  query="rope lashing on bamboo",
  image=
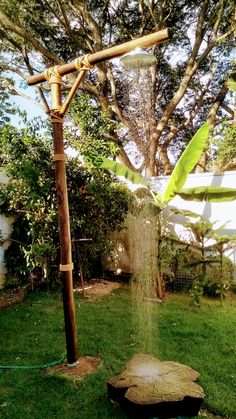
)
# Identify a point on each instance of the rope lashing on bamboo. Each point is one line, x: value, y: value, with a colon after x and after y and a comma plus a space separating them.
x: 59, y: 157
x: 52, y: 75
x: 68, y: 267
x: 55, y: 117
x: 82, y: 63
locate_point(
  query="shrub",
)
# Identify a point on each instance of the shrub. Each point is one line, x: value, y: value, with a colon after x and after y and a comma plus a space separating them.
x: 98, y: 204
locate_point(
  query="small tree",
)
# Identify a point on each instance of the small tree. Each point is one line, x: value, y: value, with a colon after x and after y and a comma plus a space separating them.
x: 210, y: 255
x: 202, y: 231
x: 222, y: 245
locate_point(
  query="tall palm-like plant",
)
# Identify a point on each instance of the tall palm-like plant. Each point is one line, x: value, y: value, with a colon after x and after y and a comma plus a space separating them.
x: 203, y: 231
x: 223, y: 244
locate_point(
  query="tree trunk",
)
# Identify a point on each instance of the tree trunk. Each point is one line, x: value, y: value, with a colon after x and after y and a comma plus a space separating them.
x: 211, y: 120
x: 201, y: 166
x: 165, y: 160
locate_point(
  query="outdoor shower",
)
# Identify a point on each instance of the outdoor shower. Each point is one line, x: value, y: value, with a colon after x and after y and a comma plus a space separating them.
x: 57, y: 112
x: 148, y: 387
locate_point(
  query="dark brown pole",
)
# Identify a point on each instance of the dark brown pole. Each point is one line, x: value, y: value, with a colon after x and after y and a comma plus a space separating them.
x: 65, y: 246
x: 66, y: 265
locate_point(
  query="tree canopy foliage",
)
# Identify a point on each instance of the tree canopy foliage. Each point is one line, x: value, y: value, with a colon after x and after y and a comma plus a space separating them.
x: 226, y: 158
x: 185, y: 87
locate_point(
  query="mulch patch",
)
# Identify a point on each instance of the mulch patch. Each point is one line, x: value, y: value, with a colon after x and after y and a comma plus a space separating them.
x: 87, y: 365
x: 9, y: 297
x: 98, y: 288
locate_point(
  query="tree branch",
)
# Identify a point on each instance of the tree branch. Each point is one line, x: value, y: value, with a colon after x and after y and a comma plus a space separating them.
x: 16, y: 70
x: 81, y: 8
x: 24, y: 34
x: 123, y: 156
x: 39, y: 87
x: 192, y: 66
x: 66, y: 22
x: 228, y: 109
x: 211, y: 120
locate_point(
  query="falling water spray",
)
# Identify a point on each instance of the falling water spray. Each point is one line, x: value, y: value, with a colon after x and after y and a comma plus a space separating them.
x: 143, y: 238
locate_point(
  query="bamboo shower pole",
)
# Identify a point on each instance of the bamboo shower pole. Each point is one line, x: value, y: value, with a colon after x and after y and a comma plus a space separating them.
x: 54, y: 77
x: 66, y: 265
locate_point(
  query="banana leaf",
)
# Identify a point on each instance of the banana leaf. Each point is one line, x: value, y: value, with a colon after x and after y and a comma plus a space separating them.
x: 118, y: 169
x: 208, y: 193
x: 186, y: 163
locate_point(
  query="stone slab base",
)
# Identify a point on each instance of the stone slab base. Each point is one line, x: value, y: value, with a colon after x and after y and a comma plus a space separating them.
x: 151, y: 388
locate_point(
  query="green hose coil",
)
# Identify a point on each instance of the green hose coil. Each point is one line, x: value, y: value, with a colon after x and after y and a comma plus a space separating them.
x: 29, y: 367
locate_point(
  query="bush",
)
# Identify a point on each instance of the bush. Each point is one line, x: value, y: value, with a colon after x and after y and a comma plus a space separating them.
x: 98, y: 204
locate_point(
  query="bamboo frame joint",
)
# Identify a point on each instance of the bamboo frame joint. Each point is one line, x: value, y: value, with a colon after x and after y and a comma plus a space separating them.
x: 55, y: 117
x: 52, y: 75
x: 82, y: 63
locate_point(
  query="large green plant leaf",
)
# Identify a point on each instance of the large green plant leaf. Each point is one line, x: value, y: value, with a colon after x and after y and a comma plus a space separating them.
x: 118, y: 169
x: 186, y: 163
x: 184, y: 212
x: 208, y: 193
x: 231, y: 82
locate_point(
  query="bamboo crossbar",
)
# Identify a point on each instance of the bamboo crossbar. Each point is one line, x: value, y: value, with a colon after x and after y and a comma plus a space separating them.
x: 106, y: 54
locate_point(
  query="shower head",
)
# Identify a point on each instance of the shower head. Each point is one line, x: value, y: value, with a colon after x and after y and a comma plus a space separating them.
x: 138, y: 58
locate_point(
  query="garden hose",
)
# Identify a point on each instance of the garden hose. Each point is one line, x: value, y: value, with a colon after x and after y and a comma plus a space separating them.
x: 27, y: 367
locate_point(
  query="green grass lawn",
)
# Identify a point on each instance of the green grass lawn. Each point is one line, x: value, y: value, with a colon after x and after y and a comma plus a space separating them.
x: 33, y: 333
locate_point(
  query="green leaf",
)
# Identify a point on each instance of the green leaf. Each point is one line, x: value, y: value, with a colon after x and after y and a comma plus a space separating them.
x: 186, y: 213
x: 118, y: 169
x: 158, y: 205
x: 186, y: 163
x: 208, y: 193
x: 231, y: 82
x: 143, y: 193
